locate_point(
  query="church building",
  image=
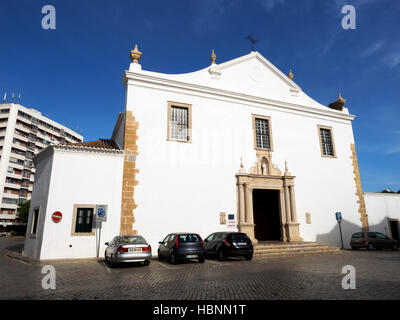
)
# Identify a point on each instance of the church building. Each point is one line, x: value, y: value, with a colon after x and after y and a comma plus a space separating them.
x: 234, y: 146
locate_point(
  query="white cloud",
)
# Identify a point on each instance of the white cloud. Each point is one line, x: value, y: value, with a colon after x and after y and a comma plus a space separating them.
x: 375, y: 47
x: 269, y: 5
x: 393, y: 151
x: 393, y: 59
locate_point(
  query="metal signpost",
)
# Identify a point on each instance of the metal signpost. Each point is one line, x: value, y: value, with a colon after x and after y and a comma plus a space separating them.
x: 339, y: 220
x: 101, y: 216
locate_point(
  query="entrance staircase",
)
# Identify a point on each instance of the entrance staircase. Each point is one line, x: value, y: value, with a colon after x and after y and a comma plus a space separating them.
x: 288, y: 249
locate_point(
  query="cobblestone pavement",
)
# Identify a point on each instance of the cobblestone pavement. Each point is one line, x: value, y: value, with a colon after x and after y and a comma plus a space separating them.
x: 305, y: 277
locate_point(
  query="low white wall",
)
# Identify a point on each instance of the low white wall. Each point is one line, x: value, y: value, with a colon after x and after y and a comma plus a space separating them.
x: 381, y: 207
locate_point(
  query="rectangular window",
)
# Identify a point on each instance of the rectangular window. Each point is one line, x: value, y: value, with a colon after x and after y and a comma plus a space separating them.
x: 35, y: 219
x: 10, y: 200
x: 179, y: 122
x: 326, y: 141
x: 84, y: 219
x: 262, y: 132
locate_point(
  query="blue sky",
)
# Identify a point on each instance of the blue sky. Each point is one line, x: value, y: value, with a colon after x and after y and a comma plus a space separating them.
x: 73, y: 74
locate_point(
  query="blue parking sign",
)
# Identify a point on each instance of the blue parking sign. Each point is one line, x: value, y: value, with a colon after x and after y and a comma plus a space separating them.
x: 101, y: 212
x: 339, y: 216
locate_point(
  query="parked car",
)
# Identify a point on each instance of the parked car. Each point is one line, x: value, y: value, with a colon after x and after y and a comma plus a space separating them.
x: 127, y: 249
x: 181, y: 246
x: 229, y: 244
x: 373, y: 240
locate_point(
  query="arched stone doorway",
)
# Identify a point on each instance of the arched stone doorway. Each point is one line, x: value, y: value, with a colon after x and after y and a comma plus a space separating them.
x: 267, y: 196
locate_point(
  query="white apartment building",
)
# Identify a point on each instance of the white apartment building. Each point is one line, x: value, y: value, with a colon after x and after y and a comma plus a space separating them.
x: 24, y: 132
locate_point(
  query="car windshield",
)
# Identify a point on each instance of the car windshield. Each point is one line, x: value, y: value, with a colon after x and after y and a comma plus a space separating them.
x: 133, y: 239
x: 357, y: 235
x: 239, y: 237
x: 189, y: 238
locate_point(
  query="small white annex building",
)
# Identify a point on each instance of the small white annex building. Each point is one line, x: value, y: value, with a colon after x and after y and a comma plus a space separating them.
x: 234, y: 146
x: 73, y: 180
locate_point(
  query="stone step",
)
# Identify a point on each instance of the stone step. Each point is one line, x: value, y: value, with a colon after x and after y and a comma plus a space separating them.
x: 261, y: 255
x: 264, y: 247
x: 288, y: 249
x: 285, y: 245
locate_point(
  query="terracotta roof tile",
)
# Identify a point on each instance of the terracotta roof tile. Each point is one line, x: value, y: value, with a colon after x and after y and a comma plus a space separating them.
x: 100, y: 144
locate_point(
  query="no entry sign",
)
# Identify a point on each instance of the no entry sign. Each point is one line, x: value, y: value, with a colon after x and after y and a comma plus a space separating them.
x: 56, y: 216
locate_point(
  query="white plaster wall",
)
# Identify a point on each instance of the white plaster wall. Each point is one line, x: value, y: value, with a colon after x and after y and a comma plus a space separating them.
x: 81, y: 178
x: 184, y: 186
x: 39, y: 199
x: 380, y: 208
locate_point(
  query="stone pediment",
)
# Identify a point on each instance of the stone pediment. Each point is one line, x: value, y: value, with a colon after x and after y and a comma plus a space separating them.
x: 254, y: 74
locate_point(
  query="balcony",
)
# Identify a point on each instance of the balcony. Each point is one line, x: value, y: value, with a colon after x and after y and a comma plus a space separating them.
x: 19, y: 146
x: 11, y: 195
x: 9, y: 206
x: 20, y: 137
x: 18, y: 155
x: 23, y: 128
x: 16, y: 186
x: 5, y: 216
x: 14, y: 176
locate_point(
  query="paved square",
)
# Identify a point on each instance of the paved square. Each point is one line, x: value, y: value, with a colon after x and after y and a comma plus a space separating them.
x: 304, y: 277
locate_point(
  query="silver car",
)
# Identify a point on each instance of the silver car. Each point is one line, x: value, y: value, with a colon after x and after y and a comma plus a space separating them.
x: 127, y: 249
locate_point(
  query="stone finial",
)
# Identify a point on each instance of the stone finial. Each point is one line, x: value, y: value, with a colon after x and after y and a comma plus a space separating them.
x: 341, y: 99
x: 338, y: 104
x: 242, y: 169
x: 290, y: 75
x: 213, y: 57
x: 287, y: 173
x: 135, y: 55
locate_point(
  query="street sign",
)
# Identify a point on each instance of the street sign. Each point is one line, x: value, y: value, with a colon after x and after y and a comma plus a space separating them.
x: 339, y: 220
x: 101, y: 212
x: 56, y: 217
x: 231, y: 220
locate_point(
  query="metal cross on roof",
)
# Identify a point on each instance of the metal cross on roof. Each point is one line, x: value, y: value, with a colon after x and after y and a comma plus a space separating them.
x: 252, y: 41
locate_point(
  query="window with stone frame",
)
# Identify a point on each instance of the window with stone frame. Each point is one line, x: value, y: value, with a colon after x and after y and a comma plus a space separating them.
x: 84, y: 220
x: 179, y: 122
x: 262, y: 132
x: 326, y: 141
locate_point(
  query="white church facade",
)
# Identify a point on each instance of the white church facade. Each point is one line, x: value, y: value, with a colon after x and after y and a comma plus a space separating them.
x: 234, y: 146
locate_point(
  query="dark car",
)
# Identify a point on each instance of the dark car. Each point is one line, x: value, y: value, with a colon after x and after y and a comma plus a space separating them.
x: 181, y: 246
x: 229, y: 244
x: 373, y: 240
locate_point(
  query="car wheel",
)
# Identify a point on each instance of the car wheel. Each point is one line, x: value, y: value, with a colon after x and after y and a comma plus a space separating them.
x: 354, y: 248
x: 158, y: 255
x: 173, y: 259
x: 248, y: 257
x: 146, y: 262
x: 111, y: 262
x: 395, y: 247
x: 220, y: 255
x: 105, y: 257
x: 370, y: 246
x: 201, y: 260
